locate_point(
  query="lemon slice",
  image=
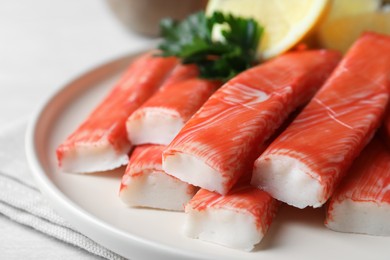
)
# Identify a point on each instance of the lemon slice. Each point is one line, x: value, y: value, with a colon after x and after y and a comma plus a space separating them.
x: 341, y: 33
x: 285, y: 22
x: 348, y: 19
x: 343, y: 8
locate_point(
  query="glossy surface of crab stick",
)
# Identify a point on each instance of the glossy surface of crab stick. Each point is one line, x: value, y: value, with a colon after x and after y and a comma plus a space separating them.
x: 221, y: 141
x: 145, y: 184
x: 238, y: 220
x: 306, y: 162
x: 361, y: 204
x: 164, y: 114
x: 100, y: 142
x: 180, y: 73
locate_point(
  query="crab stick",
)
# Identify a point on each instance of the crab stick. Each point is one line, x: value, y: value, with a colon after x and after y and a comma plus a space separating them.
x: 221, y: 141
x: 145, y: 184
x: 361, y: 204
x: 100, y: 142
x: 238, y: 220
x: 305, y: 163
x: 164, y: 114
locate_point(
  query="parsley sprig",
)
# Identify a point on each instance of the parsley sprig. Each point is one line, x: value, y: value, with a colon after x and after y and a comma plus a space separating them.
x: 191, y: 41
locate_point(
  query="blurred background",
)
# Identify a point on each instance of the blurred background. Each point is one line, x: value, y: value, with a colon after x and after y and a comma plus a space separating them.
x: 46, y: 43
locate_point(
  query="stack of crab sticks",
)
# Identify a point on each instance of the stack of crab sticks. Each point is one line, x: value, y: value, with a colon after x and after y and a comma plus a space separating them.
x: 215, y: 147
x: 361, y: 204
x: 220, y: 142
x: 100, y: 143
x: 305, y: 163
x: 154, y: 124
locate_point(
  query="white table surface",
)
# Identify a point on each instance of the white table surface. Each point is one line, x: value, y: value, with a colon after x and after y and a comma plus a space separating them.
x: 43, y: 45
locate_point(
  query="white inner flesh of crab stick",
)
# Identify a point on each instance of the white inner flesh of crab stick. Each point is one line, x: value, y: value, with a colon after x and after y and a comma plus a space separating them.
x: 156, y: 125
x: 224, y: 227
x: 177, y: 166
x: 157, y: 190
x: 365, y: 217
x: 290, y: 179
x: 103, y: 156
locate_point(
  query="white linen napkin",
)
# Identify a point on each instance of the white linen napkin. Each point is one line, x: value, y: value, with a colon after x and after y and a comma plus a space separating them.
x: 21, y: 201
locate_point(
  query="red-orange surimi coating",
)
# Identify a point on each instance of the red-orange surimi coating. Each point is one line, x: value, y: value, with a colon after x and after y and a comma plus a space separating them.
x: 145, y: 157
x: 228, y: 130
x: 242, y: 199
x: 342, y: 117
x: 183, y: 98
x: 369, y: 177
x: 180, y: 73
x: 107, y: 122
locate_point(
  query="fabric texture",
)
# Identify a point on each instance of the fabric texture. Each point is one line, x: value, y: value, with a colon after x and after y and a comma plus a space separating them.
x: 22, y: 202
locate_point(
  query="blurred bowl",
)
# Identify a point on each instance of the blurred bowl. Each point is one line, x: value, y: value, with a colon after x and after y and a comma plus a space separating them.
x: 143, y: 16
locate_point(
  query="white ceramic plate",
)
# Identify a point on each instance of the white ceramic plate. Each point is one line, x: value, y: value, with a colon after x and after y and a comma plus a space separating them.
x: 91, y: 204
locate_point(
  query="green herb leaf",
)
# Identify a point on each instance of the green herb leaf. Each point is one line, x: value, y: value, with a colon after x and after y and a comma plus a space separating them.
x: 191, y: 41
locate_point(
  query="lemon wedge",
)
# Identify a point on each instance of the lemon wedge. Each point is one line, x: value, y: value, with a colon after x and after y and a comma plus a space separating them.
x: 285, y: 22
x: 343, y: 8
x: 341, y: 33
x: 348, y: 19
